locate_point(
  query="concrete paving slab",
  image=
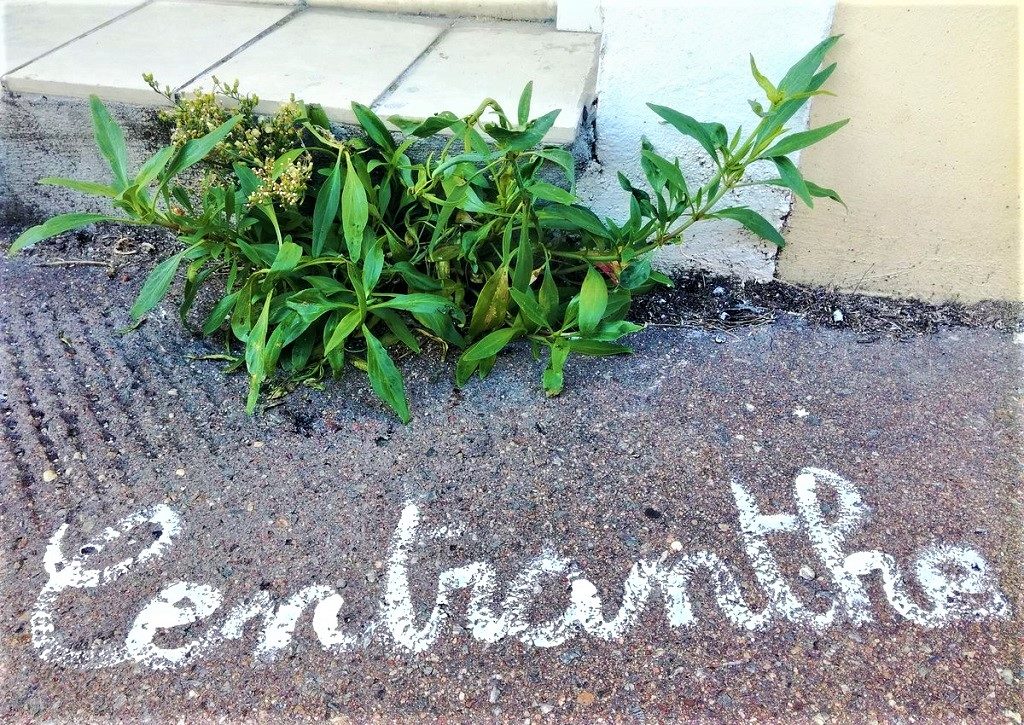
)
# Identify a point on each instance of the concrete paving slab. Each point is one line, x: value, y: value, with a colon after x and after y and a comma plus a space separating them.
x: 176, y: 41
x: 30, y: 29
x: 504, y: 9
x: 331, y: 58
x: 496, y: 60
x: 786, y: 526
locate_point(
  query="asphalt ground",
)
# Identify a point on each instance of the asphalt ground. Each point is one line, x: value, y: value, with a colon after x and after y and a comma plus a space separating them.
x: 644, y: 459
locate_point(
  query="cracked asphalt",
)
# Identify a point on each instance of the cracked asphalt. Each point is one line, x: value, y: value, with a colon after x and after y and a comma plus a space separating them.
x: 635, y: 459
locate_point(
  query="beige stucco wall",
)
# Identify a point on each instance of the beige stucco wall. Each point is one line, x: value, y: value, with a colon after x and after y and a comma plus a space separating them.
x: 930, y: 163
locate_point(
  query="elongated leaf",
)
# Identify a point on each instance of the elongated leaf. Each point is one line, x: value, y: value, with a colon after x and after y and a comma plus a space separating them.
x: 153, y: 166
x: 550, y: 192
x: 770, y: 91
x: 547, y: 298
x: 197, y: 149
x: 218, y: 313
x: 288, y: 256
x: 490, y: 344
x: 593, y: 301
x: 792, y: 179
x: 563, y: 159
x: 822, y: 193
x: 553, y: 378
x: 345, y: 327
x: 752, y: 221
x: 492, y: 303
x: 355, y: 212
x: 416, y: 302
x: 799, y: 76
x: 598, y: 348
x: 384, y: 376
x: 526, y: 139
x: 86, y: 187
x: 53, y: 227
x: 374, y: 127
x: 797, y: 141
x: 524, y: 104
x: 688, y: 126
x: 523, y: 274
x: 529, y: 308
x: 255, y: 344
x: 560, y: 216
x: 110, y: 140
x: 156, y: 285
x: 398, y: 328
x: 326, y: 208
x: 373, y: 263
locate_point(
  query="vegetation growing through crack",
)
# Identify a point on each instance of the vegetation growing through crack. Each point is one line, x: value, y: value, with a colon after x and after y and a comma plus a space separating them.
x: 327, y: 250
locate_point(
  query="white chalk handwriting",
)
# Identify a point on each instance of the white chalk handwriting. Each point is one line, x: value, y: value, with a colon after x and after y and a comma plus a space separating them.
x: 955, y: 581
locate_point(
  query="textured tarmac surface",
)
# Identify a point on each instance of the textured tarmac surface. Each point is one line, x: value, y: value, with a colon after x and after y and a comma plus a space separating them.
x: 633, y: 461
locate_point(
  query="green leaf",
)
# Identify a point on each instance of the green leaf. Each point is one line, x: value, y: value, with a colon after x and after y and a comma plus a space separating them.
x: 792, y: 179
x: 195, y: 150
x: 384, y: 376
x: 492, y: 303
x: 288, y: 256
x: 772, y: 93
x: 547, y: 298
x: 417, y: 303
x: 564, y: 160
x: 550, y: 192
x: 218, y: 313
x: 560, y: 216
x: 614, y: 330
x: 797, y: 141
x: 490, y: 344
x: 326, y: 208
x: 156, y: 285
x: 374, y: 127
x: 346, y: 326
x: 688, y: 126
x: 598, y: 348
x: 53, y: 227
x: 85, y: 187
x: 255, y: 344
x: 373, y: 263
x: 798, y: 78
x: 822, y: 193
x: 529, y: 308
x: 553, y: 378
x: 110, y: 140
x: 153, y: 166
x: 669, y: 171
x: 355, y: 212
x: 593, y: 301
x: 523, y: 273
x: 398, y: 328
x: 524, y: 104
x: 752, y: 221
x: 526, y: 139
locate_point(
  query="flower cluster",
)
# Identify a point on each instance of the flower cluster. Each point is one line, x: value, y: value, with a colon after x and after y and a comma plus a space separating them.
x: 285, y: 186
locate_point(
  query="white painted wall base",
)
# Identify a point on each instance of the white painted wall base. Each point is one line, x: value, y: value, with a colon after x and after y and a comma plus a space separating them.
x: 692, y: 55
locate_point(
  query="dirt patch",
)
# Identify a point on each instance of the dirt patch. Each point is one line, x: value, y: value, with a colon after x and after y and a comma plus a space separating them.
x: 723, y: 303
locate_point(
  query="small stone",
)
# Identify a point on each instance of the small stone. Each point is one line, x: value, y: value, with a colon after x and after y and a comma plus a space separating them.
x: 495, y: 693
x: 807, y: 573
x: 49, y: 475
x: 257, y: 444
x: 837, y: 316
x: 676, y: 546
x: 1006, y: 676
x: 586, y: 698
x: 718, y: 291
x: 1012, y: 715
x: 801, y: 413
x: 719, y: 339
x: 173, y: 392
x: 180, y: 472
x: 546, y: 709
